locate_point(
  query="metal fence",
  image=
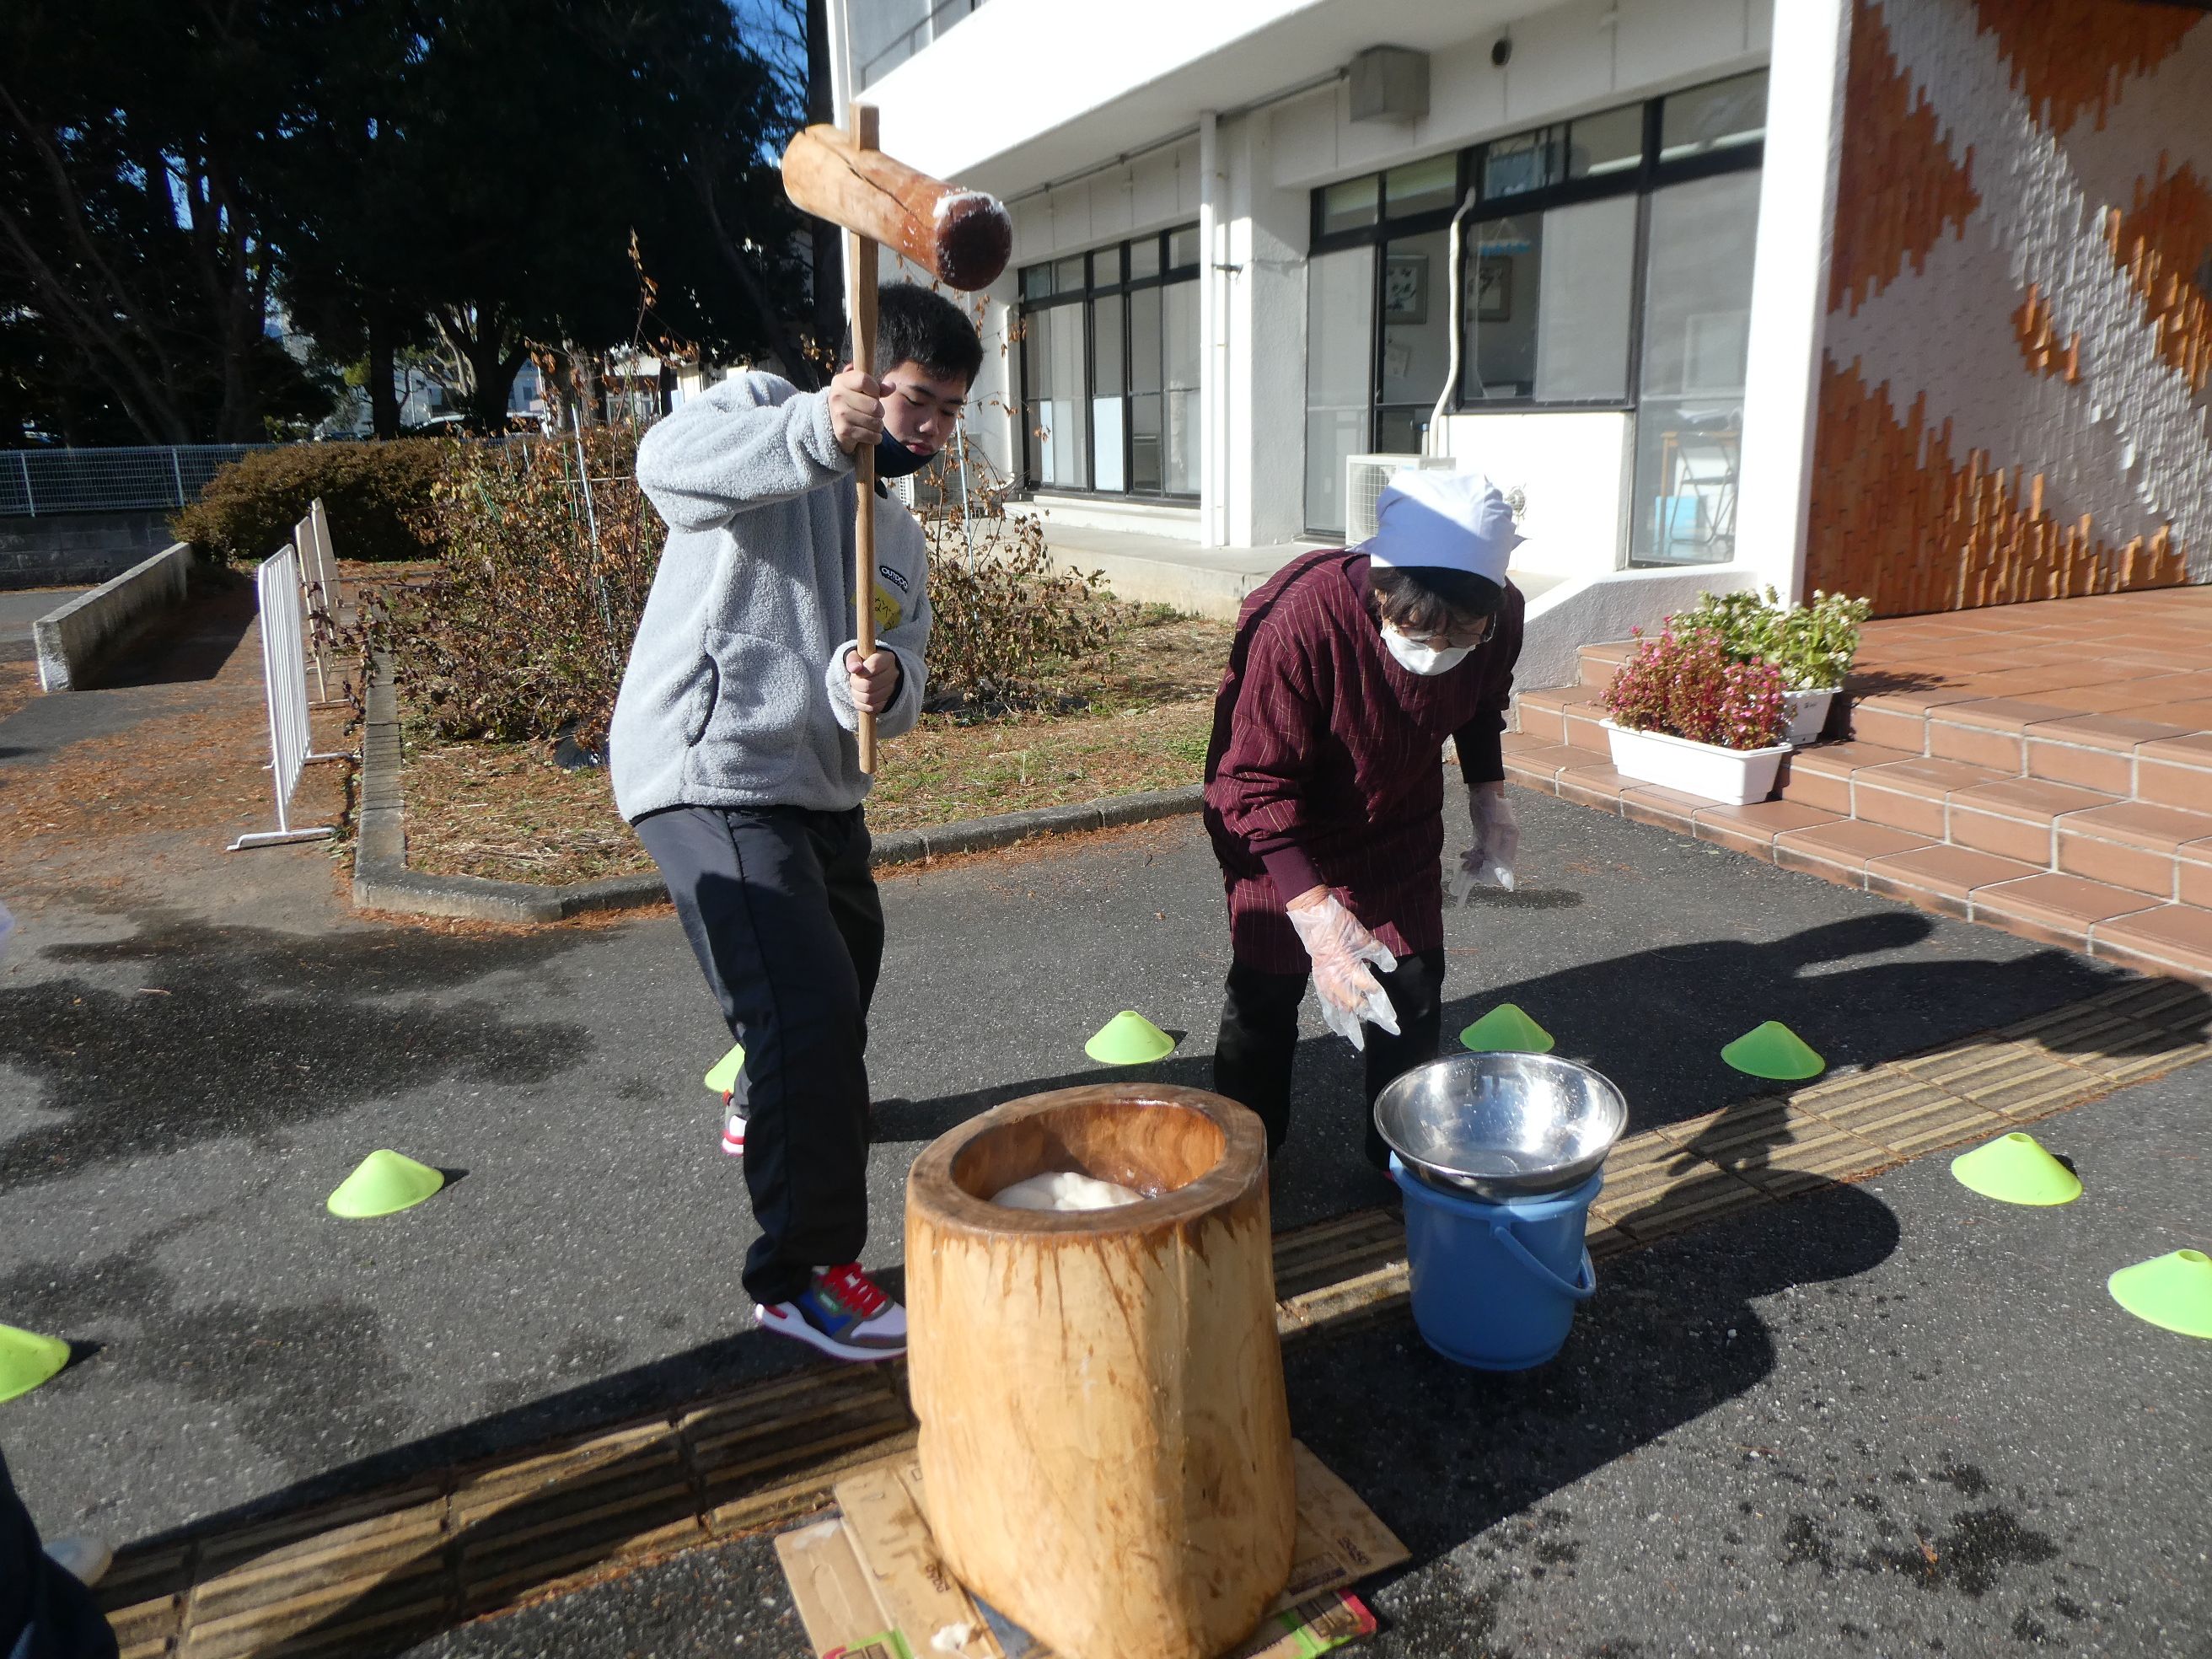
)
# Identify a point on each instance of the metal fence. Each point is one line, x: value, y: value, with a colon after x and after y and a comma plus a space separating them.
x: 284, y: 672
x: 39, y: 483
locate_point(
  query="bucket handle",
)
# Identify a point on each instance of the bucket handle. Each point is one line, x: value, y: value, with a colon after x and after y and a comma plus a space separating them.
x: 1580, y: 1289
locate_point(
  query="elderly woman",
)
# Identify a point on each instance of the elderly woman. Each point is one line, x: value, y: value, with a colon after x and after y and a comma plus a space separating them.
x: 1324, y: 782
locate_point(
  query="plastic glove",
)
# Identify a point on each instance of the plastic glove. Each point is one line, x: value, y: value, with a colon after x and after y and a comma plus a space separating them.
x: 1341, y: 949
x: 1489, y: 862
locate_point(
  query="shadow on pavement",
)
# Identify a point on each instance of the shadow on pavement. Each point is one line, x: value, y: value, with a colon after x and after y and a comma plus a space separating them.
x: 1444, y: 1454
x: 193, y: 644
x: 225, y: 1031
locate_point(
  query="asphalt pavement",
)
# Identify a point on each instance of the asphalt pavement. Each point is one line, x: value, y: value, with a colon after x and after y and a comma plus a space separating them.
x: 1885, y: 1419
x: 179, y: 1094
x: 22, y: 606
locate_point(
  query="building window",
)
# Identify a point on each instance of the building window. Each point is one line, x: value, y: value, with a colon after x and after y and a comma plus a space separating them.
x: 1052, y: 371
x: 1414, y: 307
x: 1111, y: 367
x: 1340, y: 353
x: 1708, y: 119
x: 1696, y: 326
x: 1579, y: 252
x: 1548, y: 300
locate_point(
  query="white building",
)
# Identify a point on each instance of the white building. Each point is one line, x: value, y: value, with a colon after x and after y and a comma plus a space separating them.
x: 1233, y: 269
x: 1715, y: 257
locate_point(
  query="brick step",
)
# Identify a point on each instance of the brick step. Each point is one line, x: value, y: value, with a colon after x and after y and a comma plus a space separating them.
x: 2046, y: 767
x: 2120, y: 757
x: 2061, y: 901
x: 2033, y: 735
x: 1569, y: 715
x: 1599, y: 662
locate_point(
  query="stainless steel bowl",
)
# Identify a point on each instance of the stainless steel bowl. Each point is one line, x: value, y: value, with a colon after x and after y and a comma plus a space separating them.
x: 1502, y: 1125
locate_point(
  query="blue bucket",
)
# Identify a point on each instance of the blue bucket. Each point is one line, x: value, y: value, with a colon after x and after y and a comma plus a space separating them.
x: 1496, y: 1281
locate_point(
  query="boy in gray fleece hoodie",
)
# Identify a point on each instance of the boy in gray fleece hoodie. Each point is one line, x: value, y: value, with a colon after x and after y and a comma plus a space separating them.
x: 733, y: 755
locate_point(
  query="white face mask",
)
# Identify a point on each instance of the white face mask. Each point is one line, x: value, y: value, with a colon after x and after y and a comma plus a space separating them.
x: 1422, y: 660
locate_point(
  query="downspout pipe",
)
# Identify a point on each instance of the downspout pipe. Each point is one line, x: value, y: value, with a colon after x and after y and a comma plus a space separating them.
x: 1449, y: 398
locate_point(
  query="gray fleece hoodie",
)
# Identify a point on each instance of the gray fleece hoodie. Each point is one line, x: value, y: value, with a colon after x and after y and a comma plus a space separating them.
x: 736, y: 691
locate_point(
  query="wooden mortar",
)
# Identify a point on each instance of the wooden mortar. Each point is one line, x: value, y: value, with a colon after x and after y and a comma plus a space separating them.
x: 1105, y: 1444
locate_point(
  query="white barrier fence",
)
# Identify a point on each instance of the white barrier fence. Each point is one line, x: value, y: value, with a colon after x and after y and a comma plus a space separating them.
x: 282, y: 592
x: 318, y: 580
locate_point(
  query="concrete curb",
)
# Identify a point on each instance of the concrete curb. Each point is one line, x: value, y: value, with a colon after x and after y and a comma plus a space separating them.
x: 74, y: 640
x: 382, y: 881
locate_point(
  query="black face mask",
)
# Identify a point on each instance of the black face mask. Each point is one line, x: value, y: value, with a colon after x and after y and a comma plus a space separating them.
x: 894, y: 461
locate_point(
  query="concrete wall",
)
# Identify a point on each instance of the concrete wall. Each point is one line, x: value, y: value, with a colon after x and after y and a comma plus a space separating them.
x: 64, y: 549
x: 72, y: 642
x: 1562, y: 619
x: 1566, y: 60
x: 1790, y: 280
x: 1266, y: 288
x: 1140, y: 71
x: 2018, y: 344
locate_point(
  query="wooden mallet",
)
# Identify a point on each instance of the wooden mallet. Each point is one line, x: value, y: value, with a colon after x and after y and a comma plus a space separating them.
x: 960, y: 237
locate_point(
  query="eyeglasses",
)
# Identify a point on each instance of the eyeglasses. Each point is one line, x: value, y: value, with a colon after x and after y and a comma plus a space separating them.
x: 1458, y: 639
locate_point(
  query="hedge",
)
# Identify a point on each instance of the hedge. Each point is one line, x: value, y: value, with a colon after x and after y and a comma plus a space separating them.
x: 377, y: 496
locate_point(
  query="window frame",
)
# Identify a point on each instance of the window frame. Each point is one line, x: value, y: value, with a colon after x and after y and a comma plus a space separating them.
x: 1648, y: 176
x: 1119, y: 292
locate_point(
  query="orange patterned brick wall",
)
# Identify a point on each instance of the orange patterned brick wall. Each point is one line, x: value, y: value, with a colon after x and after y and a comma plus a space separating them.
x: 2020, y: 306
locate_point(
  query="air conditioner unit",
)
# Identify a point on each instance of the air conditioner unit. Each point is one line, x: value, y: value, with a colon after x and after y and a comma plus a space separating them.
x: 1364, y: 476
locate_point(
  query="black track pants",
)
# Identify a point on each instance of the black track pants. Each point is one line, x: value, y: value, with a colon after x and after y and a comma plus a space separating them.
x: 782, y: 913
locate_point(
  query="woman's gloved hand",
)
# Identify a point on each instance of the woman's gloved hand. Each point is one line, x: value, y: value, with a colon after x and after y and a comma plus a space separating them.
x: 1342, y: 950
x: 1489, y: 862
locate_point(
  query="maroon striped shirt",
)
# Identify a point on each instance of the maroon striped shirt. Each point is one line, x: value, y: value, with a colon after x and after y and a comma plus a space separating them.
x: 1326, y: 764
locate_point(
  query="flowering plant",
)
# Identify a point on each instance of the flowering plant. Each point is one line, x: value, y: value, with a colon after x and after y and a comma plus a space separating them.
x: 1812, y: 644
x: 1686, y: 685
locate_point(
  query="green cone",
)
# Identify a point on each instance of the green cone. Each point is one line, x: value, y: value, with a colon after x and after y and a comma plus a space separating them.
x: 1775, y: 1051
x: 724, y: 1076
x: 28, y: 1359
x: 2173, y: 1292
x: 2014, y: 1168
x: 1128, y: 1039
x: 383, y: 1184
x: 1506, y: 1029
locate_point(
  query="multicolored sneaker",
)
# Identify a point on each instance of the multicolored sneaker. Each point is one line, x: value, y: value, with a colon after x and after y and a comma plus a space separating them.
x: 733, y: 1129
x: 843, y: 1314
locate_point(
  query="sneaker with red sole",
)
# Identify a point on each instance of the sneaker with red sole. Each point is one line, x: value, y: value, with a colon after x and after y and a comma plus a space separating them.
x: 843, y: 1314
x: 733, y: 1129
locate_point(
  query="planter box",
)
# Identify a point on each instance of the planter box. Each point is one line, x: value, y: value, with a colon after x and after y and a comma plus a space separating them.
x: 1734, y: 777
x: 1808, y: 715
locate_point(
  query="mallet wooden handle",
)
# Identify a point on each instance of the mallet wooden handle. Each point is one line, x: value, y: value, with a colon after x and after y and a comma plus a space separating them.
x: 863, y: 262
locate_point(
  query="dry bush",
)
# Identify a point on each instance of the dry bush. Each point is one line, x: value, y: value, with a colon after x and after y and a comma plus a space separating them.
x: 525, y: 632
x: 1009, y: 619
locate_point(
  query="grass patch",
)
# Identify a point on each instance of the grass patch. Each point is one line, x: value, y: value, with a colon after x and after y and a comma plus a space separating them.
x: 505, y: 810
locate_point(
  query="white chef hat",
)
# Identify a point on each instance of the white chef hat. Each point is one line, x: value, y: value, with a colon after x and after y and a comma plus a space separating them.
x: 1454, y: 521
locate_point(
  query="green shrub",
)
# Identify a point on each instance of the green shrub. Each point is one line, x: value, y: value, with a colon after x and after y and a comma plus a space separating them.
x: 377, y: 496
